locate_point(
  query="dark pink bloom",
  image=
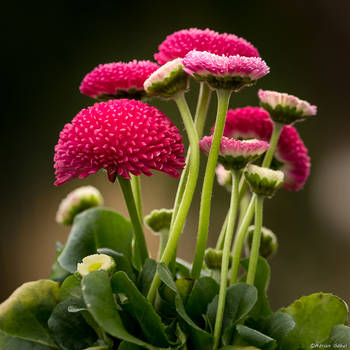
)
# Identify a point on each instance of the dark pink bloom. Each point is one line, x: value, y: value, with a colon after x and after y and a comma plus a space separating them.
x: 117, y: 79
x: 291, y: 154
x: 181, y: 42
x: 122, y: 136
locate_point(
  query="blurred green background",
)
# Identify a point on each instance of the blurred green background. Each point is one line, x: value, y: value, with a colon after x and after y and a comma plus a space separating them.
x: 49, y: 48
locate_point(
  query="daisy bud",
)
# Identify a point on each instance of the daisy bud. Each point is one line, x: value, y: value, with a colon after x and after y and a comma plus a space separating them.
x: 168, y: 80
x: 184, y: 286
x: 159, y: 220
x: 224, y: 177
x: 213, y: 259
x: 224, y: 72
x: 96, y: 262
x: 268, y: 245
x: 235, y: 154
x: 77, y: 201
x: 284, y: 108
x: 263, y: 181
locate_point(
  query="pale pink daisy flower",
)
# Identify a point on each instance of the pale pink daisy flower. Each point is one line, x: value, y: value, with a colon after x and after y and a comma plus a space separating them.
x: 284, y: 108
x: 121, y: 136
x: 224, y: 72
x: 118, y: 80
x: 183, y: 41
x: 235, y: 154
x: 291, y: 155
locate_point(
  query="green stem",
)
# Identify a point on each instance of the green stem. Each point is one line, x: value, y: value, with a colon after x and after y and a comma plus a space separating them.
x: 199, y: 121
x: 176, y: 230
x: 204, y: 214
x: 141, y: 250
x: 220, y: 242
x: 226, y: 258
x: 243, y: 227
x: 243, y: 206
x: 164, y: 235
x: 277, y: 128
x: 136, y: 190
x: 254, y: 253
x: 239, y: 240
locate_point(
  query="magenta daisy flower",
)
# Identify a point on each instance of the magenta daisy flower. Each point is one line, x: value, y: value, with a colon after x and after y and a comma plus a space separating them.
x: 235, y: 154
x: 181, y: 42
x: 118, y: 80
x: 284, y: 108
x: 121, y: 136
x: 291, y: 155
x: 224, y: 72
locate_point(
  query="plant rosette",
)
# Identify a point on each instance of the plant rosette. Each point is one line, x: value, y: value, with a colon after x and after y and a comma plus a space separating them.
x: 104, y: 291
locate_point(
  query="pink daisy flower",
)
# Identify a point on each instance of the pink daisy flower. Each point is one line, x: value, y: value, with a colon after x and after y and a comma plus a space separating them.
x: 122, y: 136
x: 181, y: 42
x: 224, y: 72
x: 285, y: 108
x: 291, y: 155
x: 118, y: 80
x: 235, y: 154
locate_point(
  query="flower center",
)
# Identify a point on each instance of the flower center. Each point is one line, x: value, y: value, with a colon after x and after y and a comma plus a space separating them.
x: 95, y: 266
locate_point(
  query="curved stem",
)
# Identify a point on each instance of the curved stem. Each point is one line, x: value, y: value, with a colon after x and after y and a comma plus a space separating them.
x: 277, y: 128
x: 163, y: 239
x: 226, y: 258
x: 243, y: 228
x: 176, y: 230
x: 220, y: 242
x: 204, y: 214
x: 199, y: 121
x: 141, y: 250
x: 136, y: 190
x: 239, y: 240
x: 254, y: 253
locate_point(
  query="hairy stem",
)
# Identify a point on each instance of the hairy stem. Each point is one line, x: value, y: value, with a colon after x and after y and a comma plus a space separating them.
x: 136, y: 190
x: 141, y: 250
x: 204, y: 214
x: 254, y: 253
x: 226, y: 258
x: 199, y: 121
x: 176, y: 230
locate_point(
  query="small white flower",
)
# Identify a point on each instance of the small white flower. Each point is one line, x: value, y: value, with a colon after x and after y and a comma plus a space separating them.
x: 95, y: 262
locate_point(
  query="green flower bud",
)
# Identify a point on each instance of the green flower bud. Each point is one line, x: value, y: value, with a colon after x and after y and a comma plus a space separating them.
x: 184, y: 286
x: 263, y: 181
x: 213, y: 259
x: 268, y: 245
x: 159, y: 220
x: 168, y: 80
x: 77, y: 201
x: 96, y: 262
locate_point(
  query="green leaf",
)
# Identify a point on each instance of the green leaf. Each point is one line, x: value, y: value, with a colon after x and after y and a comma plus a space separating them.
x: 70, y: 289
x: 315, y: 316
x: 183, y: 268
x: 240, y: 299
x: 198, y: 338
x: 92, y: 229
x: 238, y: 347
x: 278, y: 326
x: 58, y: 273
x: 262, y: 279
x: 70, y: 330
x: 146, y: 276
x: 24, y: 316
x: 340, y: 337
x: 100, y: 301
x: 141, y: 309
x: 256, y: 338
x: 121, y: 262
x: 203, y: 292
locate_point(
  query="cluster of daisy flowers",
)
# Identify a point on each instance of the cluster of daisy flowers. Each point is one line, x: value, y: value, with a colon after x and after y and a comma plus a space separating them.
x: 126, y: 136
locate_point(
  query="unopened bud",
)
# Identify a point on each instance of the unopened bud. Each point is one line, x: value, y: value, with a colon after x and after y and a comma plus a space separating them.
x: 268, y: 244
x: 213, y: 259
